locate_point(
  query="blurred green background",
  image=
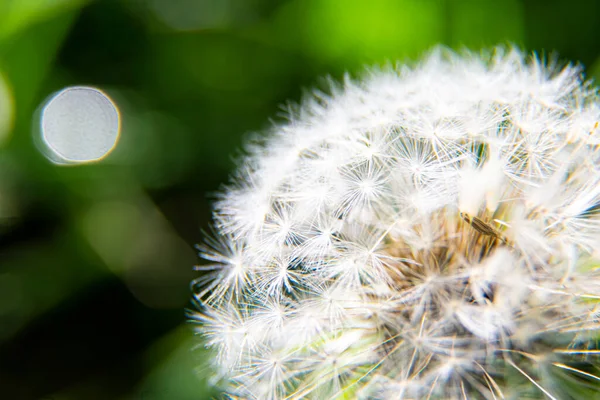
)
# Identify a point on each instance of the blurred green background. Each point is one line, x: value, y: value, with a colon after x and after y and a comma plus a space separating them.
x: 96, y: 259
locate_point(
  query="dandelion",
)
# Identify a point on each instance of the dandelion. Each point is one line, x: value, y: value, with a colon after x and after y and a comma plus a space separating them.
x: 428, y: 232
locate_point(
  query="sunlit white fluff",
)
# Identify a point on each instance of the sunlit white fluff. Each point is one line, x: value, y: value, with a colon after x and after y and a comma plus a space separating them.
x: 424, y: 232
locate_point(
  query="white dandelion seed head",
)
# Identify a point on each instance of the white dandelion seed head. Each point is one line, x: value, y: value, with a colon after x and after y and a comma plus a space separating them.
x: 424, y: 232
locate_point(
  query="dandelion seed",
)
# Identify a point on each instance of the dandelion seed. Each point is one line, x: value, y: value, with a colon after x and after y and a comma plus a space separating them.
x: 427, y: 232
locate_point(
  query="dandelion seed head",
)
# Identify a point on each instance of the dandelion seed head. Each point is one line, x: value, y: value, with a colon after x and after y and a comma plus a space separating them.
x: 426, y: 232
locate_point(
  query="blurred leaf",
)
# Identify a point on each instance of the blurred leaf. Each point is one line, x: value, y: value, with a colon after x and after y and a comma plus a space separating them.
x: 15, y: 15
x: 354, y: 32
x: 139, y: 245
x: 6, y: 109
x: 28, y: 56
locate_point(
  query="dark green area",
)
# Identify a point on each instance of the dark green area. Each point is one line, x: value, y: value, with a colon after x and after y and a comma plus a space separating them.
x: 96, y: 259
